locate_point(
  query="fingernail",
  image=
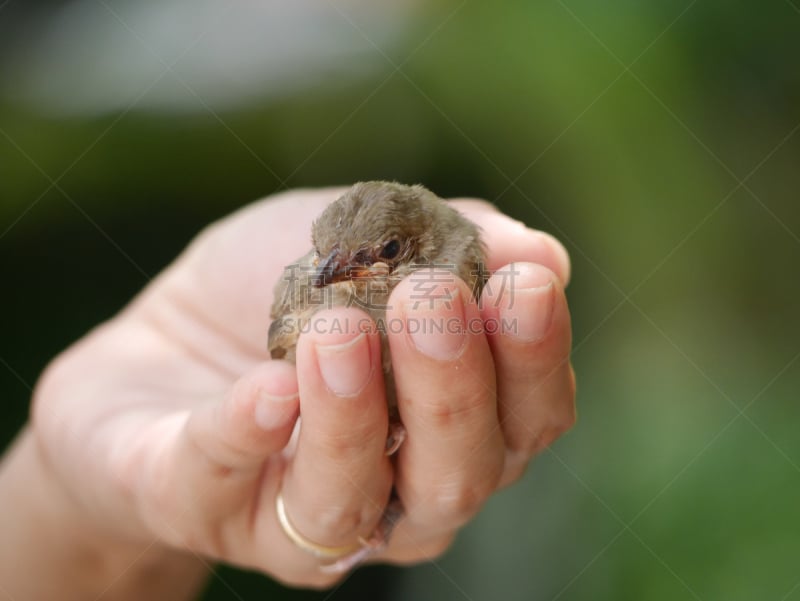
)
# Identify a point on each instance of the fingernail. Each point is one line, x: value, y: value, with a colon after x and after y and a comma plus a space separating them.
x: 345, y: 367
x: 436, y: 324
x: 527, y: 313
x: 272, y: 412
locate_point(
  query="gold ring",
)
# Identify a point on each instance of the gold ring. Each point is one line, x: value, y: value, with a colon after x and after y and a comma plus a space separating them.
x: 317, y: 550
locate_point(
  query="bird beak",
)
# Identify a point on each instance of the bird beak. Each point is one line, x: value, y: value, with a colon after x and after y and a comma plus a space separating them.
x: 330, y: 270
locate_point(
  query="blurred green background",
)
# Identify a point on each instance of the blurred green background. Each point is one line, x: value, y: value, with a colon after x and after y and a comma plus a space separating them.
x: 658, y: 140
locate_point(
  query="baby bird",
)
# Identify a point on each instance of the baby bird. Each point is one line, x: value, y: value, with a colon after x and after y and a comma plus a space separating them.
x: 364, y: 244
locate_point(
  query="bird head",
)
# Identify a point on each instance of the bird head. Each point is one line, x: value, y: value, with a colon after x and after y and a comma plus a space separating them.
x: 376, y: 227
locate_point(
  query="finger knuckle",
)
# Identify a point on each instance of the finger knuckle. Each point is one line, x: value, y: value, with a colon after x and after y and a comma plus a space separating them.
x: 546, y: 437
x: 341, y: 523
x: 344, y: 444
x: 219, y: 454
x: 220, y: 450
x: 532, y: 443
x: 460, y: 502
x: 452, y: 413
x: 530, y: 440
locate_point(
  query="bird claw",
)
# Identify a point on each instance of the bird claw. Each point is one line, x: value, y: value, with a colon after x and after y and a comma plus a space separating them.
x: 397, y: 434
x: 348, y: 562
x: 369, y: 547
x: 373, y: 545
x: 379, y: 539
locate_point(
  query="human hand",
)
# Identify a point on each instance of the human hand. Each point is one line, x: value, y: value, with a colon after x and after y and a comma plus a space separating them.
x: 168, y: 423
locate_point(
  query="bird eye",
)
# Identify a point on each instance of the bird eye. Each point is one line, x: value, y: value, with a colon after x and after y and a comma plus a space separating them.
x: 390, y: 249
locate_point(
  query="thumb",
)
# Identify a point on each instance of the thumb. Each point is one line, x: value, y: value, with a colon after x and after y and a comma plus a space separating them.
x: 213, y: 468
x: 254, y: 421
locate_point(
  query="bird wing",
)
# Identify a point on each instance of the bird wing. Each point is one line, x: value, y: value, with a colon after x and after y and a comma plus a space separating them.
x: 290, y: 308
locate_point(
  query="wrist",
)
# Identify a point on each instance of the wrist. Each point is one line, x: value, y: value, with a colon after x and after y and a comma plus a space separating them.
x: 52, y: 549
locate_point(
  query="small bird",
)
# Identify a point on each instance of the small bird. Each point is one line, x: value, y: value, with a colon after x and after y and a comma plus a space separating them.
x: 363, y: 245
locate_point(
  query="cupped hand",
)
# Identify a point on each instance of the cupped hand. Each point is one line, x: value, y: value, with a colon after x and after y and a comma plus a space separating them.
x: 169, y: 424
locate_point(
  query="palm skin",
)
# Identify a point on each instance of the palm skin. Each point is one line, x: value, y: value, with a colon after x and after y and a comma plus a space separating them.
x: 170, y: 425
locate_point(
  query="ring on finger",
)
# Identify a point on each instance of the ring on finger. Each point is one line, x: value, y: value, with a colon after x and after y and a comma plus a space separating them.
x: 315, y: 549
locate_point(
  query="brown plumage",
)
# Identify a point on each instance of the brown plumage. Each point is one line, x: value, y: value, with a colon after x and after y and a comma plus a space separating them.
x: 363, y: 245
